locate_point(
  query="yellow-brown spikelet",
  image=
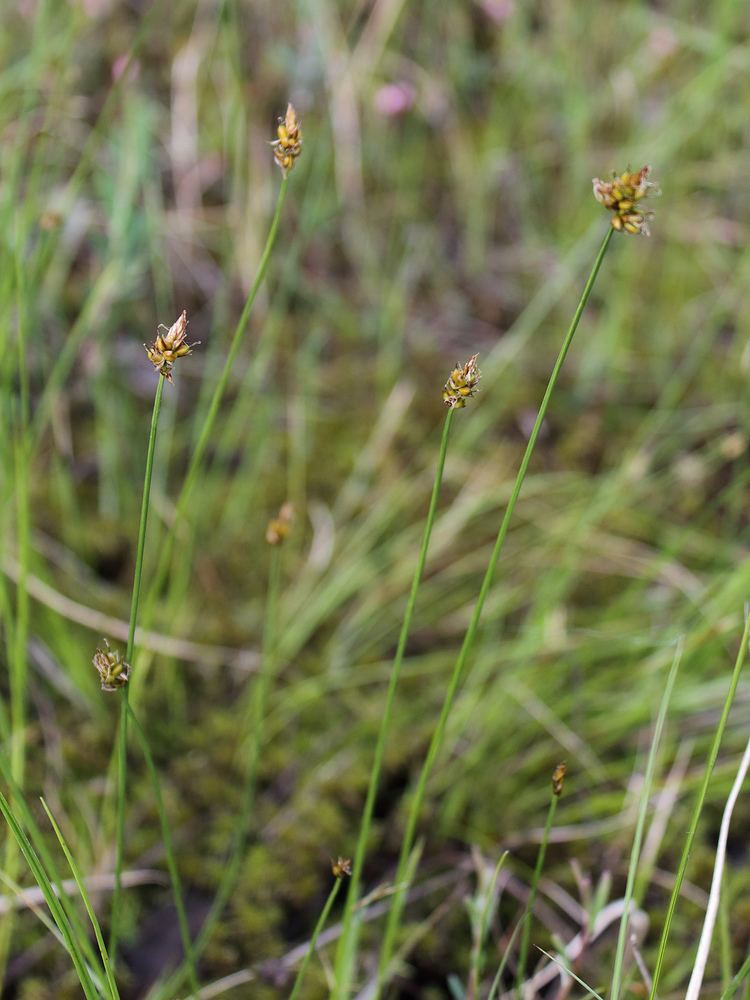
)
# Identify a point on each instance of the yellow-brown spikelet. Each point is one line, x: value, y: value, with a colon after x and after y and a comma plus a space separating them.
x: 280, y: 526
x: 623, y: 195
x: 169, y: 346
x: 288, y: 146
x: 113, y: 671
x: 462, y: 384
x: 341, y: 867
x: 558, y: 778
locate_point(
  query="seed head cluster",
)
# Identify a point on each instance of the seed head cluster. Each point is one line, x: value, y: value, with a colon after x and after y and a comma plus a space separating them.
x: 341, y: 867
x: 280, y: 526
x: 462, y: 384
x: 113, y: 671
x: 288, y: 146
x: 558, y: 778
x: 169, y: 346
x: 623, y: 196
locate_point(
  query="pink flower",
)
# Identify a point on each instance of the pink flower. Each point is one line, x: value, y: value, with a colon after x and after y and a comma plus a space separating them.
x: 394, y: 99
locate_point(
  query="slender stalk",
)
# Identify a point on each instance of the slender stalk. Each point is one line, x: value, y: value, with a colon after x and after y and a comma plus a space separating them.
x: 18, y: 667
x: 47, y: 861
x: 205, y: 434
x: 122, y: 759
x: 174, y: 874
x: 495, y: 987
x: 531, y: 901
x: 322, y: 920
x: 480, y: 929
x: 347, y: 942
x: 635, y: 853
x: 114, y: 992
x: 742, y: 974
x: 51, y: 899
x: 697, y: 809
x: 467, y: 646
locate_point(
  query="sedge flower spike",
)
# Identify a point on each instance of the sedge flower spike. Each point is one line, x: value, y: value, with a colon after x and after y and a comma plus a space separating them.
x: 341, y: 867
x: 169, y: 345
x: 288, y: 146
x: 280, y: 526
x: 623, y: 196
x: 113, y: 671
x: 462, y: 384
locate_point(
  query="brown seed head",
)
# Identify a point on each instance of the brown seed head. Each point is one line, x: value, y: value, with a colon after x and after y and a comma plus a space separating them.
x: 622, y: 195
x: 169, y: 345
x: 341, y: 867
x: 280, y: 526
x: 288, y: 145
x: 558, y: 778
x: 462, y: 384
x: 113, y: 671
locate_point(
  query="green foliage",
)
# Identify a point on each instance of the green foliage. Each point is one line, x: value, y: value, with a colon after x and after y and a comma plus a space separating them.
x: 408, y: 241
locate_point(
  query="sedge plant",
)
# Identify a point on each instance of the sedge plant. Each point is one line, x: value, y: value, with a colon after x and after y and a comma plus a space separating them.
x: 698, y: 809
x: 558, y: 779
x: 113, y: 670
x: 341, y: 867
x: 461, y: 384
x: 623, y: 197
x: 286, y: 149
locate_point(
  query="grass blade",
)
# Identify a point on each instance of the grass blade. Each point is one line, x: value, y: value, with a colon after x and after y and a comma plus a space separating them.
x: 58, y: 915
x: 76, y: 872
x: 641, y: 823
x: 698, y: 808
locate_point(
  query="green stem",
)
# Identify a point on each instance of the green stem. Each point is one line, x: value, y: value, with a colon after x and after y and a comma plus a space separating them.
x: 614, y: 993
x: 698, y: 808
x: 738, y: 980
x: 174, y: 874
x: 207, y: 428
x: 76, y: 871
x: 347, y: 943
x: 122, y: 760
x: 531, y: 902
x: 415, y: 806
x: 322, y: 919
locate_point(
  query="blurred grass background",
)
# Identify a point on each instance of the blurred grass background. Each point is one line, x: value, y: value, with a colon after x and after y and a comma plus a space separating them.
x: 441, y: 207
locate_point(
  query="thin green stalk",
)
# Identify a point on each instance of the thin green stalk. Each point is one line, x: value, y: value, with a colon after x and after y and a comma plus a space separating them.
x: 18, y: 668
x: 480, y: 930
x: 635, y: 853
x: 494, y: 988
x: 47, y: 861
x: 569, y: 972
x: 467, y: 646
x: 114, y: 992
x: 743, y: 973
x: 174, y: 874
x: 347, y: 942
x: 528, y: 912
x: 204, y: 437
x: 698, y: 808
x: 122, y: 760
x: 322, y: 920
x: 257, y: 720
x: 51, y: 899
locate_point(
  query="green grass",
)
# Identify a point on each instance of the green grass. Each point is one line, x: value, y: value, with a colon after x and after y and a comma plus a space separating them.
x: 405, y: 244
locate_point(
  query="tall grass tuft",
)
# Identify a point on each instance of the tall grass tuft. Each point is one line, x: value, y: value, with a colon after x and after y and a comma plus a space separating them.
x: 698, y: 808
x: 167, y: 348
x: 346, y: 951
x: 415, y: 804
